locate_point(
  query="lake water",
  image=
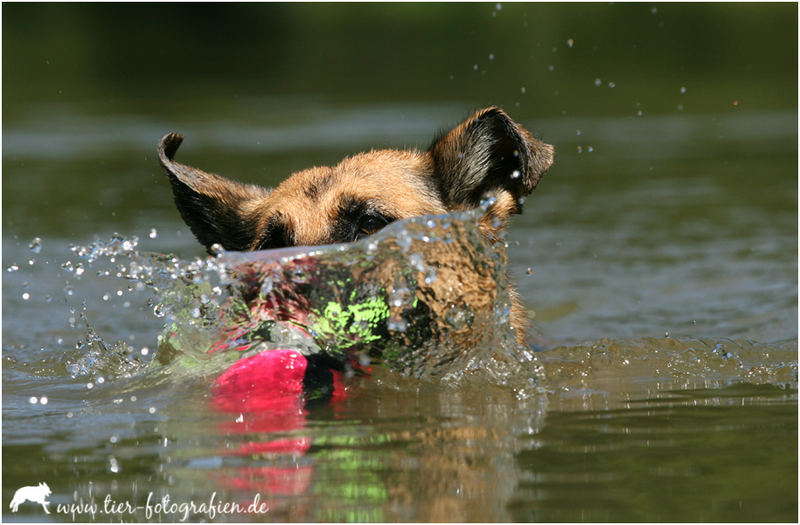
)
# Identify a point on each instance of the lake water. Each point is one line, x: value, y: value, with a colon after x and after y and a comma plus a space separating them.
x: 657, y: 261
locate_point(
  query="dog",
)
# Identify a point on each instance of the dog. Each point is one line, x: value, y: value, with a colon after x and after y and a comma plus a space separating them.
x: 34, y: 494
x: 487, y: 157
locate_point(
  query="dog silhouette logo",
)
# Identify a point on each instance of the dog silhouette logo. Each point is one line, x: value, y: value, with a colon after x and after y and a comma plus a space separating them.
x: 34, y: 494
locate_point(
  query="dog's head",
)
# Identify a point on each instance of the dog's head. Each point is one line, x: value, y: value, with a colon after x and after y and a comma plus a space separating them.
x: 487, y: 154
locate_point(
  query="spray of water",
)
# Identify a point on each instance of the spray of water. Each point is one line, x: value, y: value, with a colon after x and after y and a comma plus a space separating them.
x: 425, y: 297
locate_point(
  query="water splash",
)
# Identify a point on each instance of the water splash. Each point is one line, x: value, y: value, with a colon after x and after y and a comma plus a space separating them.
x: 95, y: 359
x: 426, y: 297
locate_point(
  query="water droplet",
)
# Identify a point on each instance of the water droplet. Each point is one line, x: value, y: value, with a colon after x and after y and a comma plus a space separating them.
x: 475, y: 67
x: 491, y: 56
x: 216, y: 249
x: 570, y: 42
x: 397, y: 324
x: 683, y: 90
x: 113, y: 465
x: 522, y: 90
x: 515, y: 174
x: 43, y: 400
x: 598, y: 82
x: 456, y: 317
x: 153, y: 233
x: 89, y: 385
x: 580, y: 149
x: 26, y: 296
x: 101, y: 380
x: 106, y: 297
x: 498, y: 6
x: 114, y: 438
x: 680, y: 107
x: 33, y: 400
x: 654, y: 10
x: 159, y: 311
x: 151, y: 410
x: 612, y: 85
x: 551, y: 67
x: 430, y: 277
x: 36, y: 245
x: 529, y: 271
x: 590, y: 149
x: 145, y: 350
x: 639, y: 113
x: 12, y: 268
x: 417, y: 261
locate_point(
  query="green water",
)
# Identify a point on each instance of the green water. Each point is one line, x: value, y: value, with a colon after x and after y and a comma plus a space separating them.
x: 662, y: 249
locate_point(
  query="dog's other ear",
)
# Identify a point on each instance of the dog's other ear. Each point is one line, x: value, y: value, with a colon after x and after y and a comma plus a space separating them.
x: 490, y: 154
x: 217, y: 210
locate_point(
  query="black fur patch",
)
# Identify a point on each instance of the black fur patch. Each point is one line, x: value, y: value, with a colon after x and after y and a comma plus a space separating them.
x: 211, y: 219
x: 508, y: 152
x: 353, y: 216
x: 277, y: 234
x: 481, y: 156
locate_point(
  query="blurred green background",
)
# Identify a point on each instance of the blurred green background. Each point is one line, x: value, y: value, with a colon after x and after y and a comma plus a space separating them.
x: 261, y: 90
x: 164, y: 57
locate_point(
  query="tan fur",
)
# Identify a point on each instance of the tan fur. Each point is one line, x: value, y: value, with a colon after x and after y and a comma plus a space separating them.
x: 393, y: 179
x: 487, y: 156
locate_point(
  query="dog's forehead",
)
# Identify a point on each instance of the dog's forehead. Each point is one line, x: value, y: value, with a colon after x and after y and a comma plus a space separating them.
x: 397, y: 183
x: 389, y: 176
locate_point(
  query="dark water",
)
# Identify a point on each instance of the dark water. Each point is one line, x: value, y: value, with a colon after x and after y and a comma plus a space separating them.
x: 662, y: 249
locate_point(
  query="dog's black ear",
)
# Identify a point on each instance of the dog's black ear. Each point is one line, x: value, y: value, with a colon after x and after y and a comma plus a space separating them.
x: 489, y: 153
x: 216, y: 209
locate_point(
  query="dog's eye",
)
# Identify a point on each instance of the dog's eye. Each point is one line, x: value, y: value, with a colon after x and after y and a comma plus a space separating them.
x: 370, y: 224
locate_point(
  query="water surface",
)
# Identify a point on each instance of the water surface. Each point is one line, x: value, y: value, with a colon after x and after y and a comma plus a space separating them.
x: 657, y: 260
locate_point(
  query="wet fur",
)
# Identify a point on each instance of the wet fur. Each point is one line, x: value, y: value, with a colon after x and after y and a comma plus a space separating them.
x: 488, y: 154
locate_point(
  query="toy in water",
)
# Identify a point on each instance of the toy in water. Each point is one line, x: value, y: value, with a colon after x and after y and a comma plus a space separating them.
x: 424, y: 297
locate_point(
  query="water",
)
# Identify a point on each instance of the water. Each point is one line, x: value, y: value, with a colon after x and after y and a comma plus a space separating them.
x: 658, y: 267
